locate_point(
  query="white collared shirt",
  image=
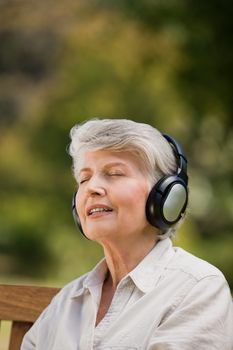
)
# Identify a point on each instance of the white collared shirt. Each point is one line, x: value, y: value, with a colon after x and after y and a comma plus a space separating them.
x: 170, y: 301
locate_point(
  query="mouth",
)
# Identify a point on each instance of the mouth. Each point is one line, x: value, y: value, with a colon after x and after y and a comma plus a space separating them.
x: 97, y: 209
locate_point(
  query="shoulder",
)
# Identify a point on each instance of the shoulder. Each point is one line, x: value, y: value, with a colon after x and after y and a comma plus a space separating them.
x: 198, y: 285
x: 54, y: 316
x: 64, y: 298
x: 193, y: 266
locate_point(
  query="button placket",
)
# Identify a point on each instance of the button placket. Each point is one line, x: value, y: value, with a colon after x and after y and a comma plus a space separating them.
x: 119, y: 302
x: 87, y: 328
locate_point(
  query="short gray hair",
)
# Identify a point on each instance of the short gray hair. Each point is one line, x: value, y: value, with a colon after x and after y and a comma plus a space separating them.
x: 153, y: 151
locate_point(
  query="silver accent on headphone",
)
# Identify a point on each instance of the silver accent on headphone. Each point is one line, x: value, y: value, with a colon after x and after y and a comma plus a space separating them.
x: 174, y: 202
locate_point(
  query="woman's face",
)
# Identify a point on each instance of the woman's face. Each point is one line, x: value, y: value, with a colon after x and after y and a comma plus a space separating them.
x: 112, y: 195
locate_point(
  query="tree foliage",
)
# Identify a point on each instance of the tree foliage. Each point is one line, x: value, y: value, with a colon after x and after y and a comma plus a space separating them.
x: 165, y: 63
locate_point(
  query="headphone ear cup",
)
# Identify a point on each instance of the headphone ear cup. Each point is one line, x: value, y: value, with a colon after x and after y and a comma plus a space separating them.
x: 75, y: 214
x: 166, y: 202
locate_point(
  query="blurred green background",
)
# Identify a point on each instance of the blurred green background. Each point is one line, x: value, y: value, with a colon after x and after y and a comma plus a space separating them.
x: 168, y: 63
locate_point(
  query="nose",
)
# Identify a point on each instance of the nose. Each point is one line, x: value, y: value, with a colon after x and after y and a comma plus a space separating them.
x: 95, y: 187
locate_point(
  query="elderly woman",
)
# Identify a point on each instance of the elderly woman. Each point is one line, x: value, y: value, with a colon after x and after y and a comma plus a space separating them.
x: 145, y: 294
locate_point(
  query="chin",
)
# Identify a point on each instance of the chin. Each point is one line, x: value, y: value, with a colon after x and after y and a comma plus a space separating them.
x: 98, y: 234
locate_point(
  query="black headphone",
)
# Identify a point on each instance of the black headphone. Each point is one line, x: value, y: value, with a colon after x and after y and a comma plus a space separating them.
x: 167, y: 199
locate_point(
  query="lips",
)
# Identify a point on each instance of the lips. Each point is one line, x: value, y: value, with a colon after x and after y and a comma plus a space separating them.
x: 97, y: 208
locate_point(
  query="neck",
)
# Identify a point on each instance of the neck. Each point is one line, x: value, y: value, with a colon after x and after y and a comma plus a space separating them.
x: 123, y: 257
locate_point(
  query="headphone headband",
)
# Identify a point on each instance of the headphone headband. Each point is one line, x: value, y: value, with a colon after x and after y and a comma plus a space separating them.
x: 181, y: 157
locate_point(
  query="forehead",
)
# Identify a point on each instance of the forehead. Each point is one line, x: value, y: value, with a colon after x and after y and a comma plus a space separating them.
x: 105, y: 158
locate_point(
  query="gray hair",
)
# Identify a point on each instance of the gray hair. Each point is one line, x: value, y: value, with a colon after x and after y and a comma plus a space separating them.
x: 153, y: 151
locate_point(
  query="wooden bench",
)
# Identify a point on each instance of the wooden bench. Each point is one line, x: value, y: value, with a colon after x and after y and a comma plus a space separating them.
x: 22, y: 305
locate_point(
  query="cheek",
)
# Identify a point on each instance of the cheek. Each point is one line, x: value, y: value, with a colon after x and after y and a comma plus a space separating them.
x: 134, y: 198
x: 79, y: 203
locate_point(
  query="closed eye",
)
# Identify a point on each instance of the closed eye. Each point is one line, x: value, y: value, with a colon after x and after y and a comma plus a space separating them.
x: 116, y: 174
x: 82, y: 181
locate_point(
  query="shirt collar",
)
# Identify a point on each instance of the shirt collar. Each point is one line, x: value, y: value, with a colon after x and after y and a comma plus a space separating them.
x: 148, y: 272
x: 145, y: 275
x: 97, y: 275
x: 94, y: 278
